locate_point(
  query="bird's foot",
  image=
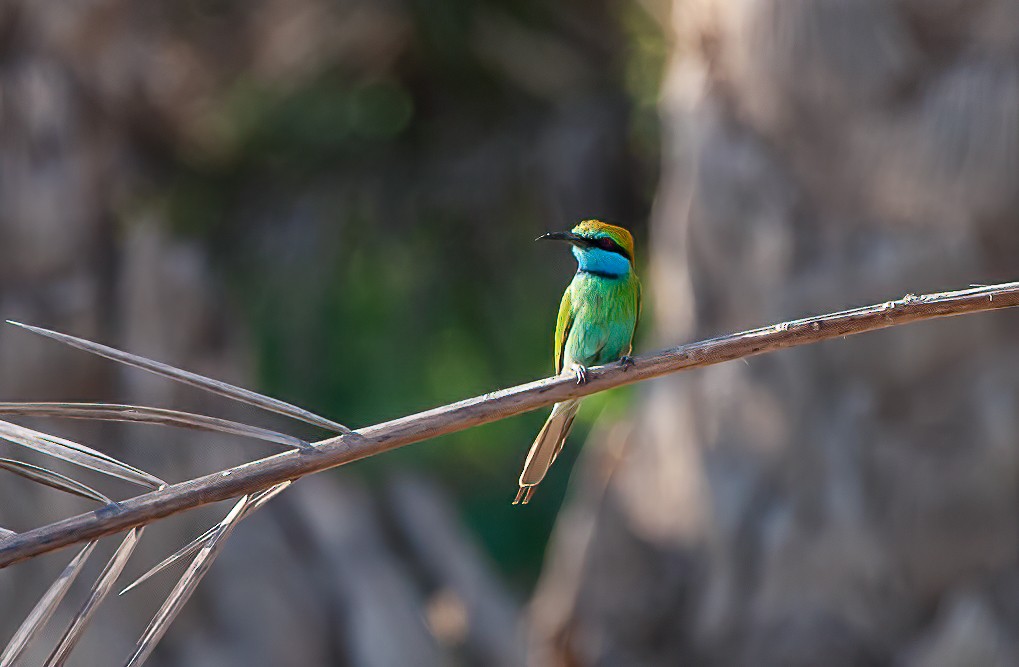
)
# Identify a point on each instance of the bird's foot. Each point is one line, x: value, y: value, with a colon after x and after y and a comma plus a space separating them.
x: 524, y: 494
x: 626, y: 361
x: 580, y: 371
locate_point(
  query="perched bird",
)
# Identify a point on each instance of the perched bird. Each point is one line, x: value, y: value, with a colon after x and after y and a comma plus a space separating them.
x: 597, y: 318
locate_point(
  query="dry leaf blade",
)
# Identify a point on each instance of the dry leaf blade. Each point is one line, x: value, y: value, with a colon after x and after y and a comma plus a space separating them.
x: 76, y: 453
x: 53, y: 480
x: 187, y: 377
x: 43, y: 610
x: 147, y: 415
x: 101, y: 588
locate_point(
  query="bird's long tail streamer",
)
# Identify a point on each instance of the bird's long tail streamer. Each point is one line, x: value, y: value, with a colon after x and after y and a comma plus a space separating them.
x: 546, y: 448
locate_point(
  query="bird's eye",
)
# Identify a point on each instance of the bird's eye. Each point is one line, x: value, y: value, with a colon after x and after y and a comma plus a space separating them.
x: 606, y: 243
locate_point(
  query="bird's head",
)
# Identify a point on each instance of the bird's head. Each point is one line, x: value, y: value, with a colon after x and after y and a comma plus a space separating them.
x: 600, y: 248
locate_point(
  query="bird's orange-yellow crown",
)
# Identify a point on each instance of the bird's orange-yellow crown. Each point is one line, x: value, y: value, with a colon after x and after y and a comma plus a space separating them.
x: 595, y: 229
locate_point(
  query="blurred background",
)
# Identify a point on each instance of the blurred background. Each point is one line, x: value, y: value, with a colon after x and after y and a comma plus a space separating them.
x: 334, y: 201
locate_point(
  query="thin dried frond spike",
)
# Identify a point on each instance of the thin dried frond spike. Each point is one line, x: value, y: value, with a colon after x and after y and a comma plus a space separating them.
x: 147, y: 415
x: 43, y: 610
x: 193, y: 379
x: 181, y: 593
x: 185, y: 551
x: 262, y: 497
x: 257, y: 500
x: 77, y: 454
x: 53, y: 479
x: 102, y: 587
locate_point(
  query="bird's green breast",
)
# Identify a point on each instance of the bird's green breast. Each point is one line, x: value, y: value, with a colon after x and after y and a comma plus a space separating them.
x: 604, y: 317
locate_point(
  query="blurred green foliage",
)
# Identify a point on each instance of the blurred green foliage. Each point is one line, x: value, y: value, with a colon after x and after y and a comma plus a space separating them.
x: 375, y: 227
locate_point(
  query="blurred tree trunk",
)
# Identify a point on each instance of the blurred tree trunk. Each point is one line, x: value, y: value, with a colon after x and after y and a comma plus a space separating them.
x: 89, y: 107
x: 854, y: 503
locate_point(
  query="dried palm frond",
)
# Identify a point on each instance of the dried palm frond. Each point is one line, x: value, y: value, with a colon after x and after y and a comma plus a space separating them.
x: 207, y: 545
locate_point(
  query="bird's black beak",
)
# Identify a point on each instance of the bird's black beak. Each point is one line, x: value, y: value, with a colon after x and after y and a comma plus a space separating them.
x: 569, y: 237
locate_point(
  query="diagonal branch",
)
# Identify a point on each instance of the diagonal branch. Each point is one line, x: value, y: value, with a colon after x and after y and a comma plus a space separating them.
x: 261, y: 474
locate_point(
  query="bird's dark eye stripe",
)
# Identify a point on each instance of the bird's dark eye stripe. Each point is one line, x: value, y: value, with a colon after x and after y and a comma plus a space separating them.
x: 607, y: 243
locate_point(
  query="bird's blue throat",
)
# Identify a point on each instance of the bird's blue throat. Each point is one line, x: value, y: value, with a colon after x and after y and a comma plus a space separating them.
x: 602, y: 263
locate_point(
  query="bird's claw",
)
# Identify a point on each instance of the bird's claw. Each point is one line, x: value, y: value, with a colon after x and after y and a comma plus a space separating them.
x: 626, y: 361
x: 581, y: 373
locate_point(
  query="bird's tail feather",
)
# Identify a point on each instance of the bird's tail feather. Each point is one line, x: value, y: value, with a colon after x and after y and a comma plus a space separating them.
x: 546, y: 448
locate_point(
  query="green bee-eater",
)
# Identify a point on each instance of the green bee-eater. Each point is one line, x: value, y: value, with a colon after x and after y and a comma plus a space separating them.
x: 597, y: 318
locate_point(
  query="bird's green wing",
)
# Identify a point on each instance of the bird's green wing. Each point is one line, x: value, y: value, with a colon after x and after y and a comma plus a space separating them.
x: 562, y: 329
x: 636, y: 320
